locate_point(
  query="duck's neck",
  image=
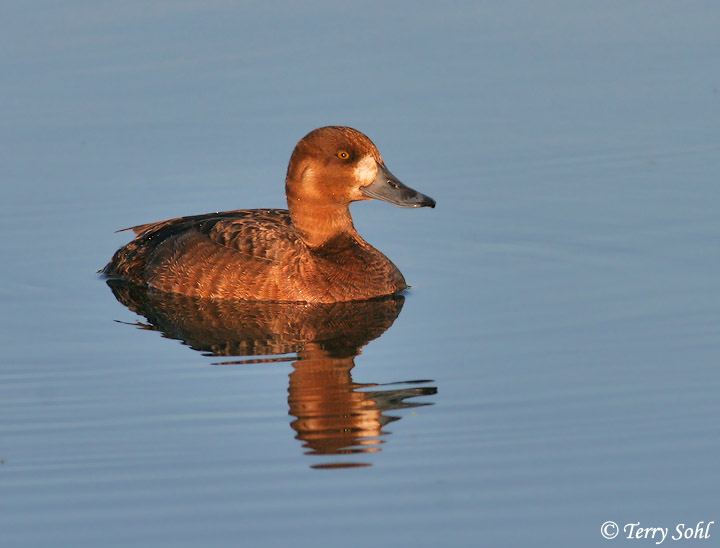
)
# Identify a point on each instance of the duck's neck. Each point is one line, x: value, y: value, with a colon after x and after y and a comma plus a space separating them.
x: 319, y: 223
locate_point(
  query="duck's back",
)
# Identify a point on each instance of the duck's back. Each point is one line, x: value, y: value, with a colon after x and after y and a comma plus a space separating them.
x: 234, y: 254
x: 253, y: 255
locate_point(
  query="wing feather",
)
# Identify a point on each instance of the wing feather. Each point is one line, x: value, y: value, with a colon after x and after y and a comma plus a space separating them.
x: 257, y: 235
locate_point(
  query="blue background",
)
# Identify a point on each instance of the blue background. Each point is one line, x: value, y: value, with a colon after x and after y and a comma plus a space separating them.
x: 565, y: 289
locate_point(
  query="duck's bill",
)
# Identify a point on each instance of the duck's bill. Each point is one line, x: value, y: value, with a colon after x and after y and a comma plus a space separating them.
x: 388, y: 188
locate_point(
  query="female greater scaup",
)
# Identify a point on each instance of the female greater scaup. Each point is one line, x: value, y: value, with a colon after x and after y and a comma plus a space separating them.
x: 308, y: 253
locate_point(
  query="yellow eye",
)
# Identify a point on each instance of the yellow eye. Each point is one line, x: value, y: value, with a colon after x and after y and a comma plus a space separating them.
x: 343, y: 155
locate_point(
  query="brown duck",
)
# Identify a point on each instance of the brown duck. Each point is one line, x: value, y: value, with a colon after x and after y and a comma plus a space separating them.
x: 310, y: 252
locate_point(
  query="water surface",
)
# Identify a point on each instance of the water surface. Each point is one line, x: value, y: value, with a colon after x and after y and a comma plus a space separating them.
x: 553, y: 367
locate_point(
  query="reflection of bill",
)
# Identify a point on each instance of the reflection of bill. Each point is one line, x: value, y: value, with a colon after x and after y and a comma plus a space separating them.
x: 334, y: 415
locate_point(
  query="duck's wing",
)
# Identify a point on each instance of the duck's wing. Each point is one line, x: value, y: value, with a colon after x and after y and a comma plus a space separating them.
x: 250, y: 235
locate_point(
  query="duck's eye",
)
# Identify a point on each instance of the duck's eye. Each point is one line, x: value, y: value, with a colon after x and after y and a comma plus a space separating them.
x: 343, y: 154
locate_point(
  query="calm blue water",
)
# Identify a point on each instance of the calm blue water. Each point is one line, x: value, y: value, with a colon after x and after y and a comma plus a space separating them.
x: 554, y: 366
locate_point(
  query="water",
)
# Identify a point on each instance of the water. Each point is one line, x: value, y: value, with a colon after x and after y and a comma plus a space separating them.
x: 553, y: 367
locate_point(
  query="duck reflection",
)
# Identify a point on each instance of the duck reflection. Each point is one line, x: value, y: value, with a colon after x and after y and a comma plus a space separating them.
x: 333, y: 414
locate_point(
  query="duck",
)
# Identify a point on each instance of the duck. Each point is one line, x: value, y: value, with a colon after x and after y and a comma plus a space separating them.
x: 308, y: 253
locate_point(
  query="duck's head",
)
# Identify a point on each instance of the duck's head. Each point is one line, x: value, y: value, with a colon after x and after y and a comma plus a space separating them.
x: 336, y: 165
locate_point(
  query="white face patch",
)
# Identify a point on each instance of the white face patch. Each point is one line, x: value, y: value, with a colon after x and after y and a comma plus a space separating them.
x: 366, y: 170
